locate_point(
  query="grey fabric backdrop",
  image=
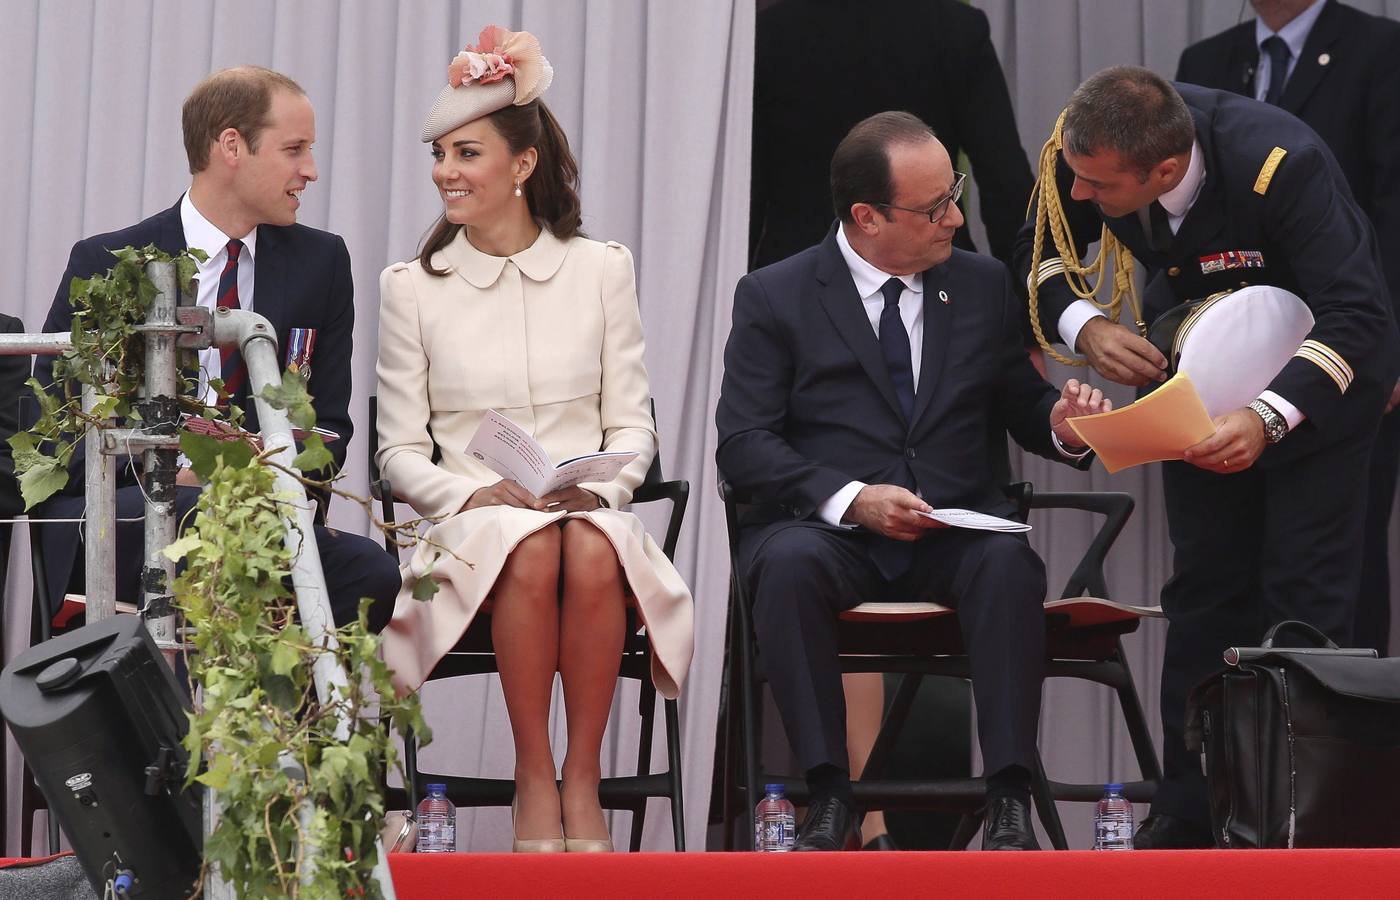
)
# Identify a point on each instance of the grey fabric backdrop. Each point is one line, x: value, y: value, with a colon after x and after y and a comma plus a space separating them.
x: 655, y: 97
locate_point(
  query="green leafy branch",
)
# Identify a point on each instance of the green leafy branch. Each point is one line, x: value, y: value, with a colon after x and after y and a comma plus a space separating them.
x: 259, y: 709
x: 108, y: 353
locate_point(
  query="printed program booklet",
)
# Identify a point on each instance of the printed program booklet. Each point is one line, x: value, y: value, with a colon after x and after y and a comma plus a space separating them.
x: 509, y: 451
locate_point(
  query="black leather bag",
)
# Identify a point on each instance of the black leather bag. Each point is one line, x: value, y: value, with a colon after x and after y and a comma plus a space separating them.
x: 1301, y: 745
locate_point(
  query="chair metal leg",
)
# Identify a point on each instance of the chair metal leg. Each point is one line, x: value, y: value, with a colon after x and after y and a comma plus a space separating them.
x: 1138, y: 730
x: 410, y: 769
x: 751, y: 699
x: 968, y: 823
x: 729, y: 774
x: 1045, y: 805
x: 646, y: 707
x: 673, y: 762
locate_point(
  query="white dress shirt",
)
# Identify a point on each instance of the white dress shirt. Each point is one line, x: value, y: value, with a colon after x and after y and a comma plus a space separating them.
x: 1177, y: 202
x: 1294, y: 34
x: 204, y: 235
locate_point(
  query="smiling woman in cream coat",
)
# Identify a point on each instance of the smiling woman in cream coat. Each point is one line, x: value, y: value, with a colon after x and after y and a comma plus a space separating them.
x: 509, y: 308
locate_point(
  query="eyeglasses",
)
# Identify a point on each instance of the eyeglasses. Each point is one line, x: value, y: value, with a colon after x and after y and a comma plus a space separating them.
x: 939, y: 209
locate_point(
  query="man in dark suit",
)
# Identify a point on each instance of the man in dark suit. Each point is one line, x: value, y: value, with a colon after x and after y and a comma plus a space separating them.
x: 14, y: 371
x: 1340, y: 74
x: 248, y: 133
x: 861, y: 379
x: 936, y: 61
x: 1211, y: 192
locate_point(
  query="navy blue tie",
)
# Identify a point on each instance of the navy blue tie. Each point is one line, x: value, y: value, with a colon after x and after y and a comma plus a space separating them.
x: 894, y: 346
x: 1277, y: 49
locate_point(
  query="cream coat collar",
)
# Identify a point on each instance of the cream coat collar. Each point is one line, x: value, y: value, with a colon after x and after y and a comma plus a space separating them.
x: 538, y: 262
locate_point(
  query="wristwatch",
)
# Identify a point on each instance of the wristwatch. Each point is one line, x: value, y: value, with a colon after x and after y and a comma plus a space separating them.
x: 1275, y: 425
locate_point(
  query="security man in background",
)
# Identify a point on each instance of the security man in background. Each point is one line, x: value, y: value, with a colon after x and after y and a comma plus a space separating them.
x: 1337, y: 69
x: 1212, y: 191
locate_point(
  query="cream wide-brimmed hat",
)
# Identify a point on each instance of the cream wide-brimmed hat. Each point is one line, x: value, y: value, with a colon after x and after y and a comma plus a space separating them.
x: 504, y: 68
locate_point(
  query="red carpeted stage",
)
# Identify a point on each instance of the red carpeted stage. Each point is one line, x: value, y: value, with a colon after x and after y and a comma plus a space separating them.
x: 1198, y: 875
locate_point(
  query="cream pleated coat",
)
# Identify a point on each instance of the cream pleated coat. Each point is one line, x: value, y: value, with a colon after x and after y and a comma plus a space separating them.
x: 552, y: 338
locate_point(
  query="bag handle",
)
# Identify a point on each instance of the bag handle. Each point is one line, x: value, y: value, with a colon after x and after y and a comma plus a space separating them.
x: 1316, y: 637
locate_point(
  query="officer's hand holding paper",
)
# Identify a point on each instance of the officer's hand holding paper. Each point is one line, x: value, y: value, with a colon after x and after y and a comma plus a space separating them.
x: 509, y: 451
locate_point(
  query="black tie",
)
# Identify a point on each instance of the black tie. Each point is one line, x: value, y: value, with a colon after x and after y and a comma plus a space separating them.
x: 1279, y: 54
x: 894, y: 346
x: 1159, y: 234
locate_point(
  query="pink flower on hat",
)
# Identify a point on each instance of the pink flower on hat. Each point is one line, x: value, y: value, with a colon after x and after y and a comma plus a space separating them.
x: 499, y: 53
x: 487, y: 68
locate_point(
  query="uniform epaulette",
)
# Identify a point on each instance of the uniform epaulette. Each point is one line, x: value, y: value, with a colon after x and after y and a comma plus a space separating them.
x: 1266, y: 171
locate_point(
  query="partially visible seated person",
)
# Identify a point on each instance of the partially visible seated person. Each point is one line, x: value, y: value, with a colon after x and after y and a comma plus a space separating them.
x: 863, y: 381
x: 248, y: 133
x: 510, y: 308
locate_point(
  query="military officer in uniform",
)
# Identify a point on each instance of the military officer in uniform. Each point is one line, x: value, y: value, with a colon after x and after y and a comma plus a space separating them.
x: 1211, y: 191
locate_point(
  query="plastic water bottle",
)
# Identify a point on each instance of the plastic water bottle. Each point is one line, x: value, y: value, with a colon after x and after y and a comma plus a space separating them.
x: 774, y: 822
x: 1113, y: 820
x: 437, y: 822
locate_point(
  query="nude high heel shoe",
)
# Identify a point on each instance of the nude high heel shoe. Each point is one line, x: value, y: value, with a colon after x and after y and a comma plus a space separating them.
x: 588, y: 845
x: 533, y: 845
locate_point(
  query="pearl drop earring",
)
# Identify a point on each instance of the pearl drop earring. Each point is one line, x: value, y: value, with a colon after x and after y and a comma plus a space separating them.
x: 517, y: 187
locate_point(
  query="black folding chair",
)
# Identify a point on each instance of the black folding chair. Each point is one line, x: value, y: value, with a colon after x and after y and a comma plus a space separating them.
x: 918, y: 639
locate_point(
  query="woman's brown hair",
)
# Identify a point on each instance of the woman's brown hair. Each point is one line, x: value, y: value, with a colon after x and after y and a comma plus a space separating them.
x: 551, y: 191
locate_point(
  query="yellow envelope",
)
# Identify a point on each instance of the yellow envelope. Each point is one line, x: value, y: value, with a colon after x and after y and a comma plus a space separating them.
x: 1157, y: 427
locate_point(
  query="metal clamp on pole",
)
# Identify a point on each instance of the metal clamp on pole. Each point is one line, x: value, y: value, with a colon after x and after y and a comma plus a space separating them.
x: 160, y: 414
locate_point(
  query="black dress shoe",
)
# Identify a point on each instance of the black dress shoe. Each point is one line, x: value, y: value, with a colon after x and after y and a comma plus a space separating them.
x: 1007, y: 824
x: 880, y: 842
x: 1162, y: 832
x: 830, y: 825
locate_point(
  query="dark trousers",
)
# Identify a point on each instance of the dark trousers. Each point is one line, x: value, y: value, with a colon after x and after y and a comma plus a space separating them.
x: 802, y: 575
x: 1251, y: 549
x: 1373, y: 599
x: 355, y: 566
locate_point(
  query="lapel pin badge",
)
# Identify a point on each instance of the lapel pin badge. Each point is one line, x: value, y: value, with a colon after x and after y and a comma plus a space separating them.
x: 1324, y: 59
x: 943, y: 295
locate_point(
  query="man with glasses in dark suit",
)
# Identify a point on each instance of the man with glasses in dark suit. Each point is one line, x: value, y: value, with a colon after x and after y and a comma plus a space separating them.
x: 864, y: 379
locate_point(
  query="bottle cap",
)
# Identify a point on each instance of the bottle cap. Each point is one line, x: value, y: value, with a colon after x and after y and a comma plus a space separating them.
x: 773, y: 788
x: 1113, y: 786
x: 437, y: 788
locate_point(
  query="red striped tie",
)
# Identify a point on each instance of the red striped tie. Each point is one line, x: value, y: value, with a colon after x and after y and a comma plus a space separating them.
x: 231, y: 366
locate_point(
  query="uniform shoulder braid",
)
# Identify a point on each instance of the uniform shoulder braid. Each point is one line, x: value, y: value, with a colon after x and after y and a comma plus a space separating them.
x: 1267, y: 170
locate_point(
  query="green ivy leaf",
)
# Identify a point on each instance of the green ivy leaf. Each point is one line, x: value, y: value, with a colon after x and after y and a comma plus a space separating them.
x: 217, y: 775
x: 285, y: 658
x: 182, y: 547
x: 41, y: 481
x: 292, y: 396
x: 314, y: 456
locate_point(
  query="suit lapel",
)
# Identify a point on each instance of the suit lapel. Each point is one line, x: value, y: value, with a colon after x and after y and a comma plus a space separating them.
x: 171, y: 236
x: 1308, y: 73
x: 837, y: 294
x: 1244, y: 61
x: 270, y: 289
x: 938, y: 327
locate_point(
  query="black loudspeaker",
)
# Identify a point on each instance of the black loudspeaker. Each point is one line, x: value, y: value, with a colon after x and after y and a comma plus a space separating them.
x: 99, y: 717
